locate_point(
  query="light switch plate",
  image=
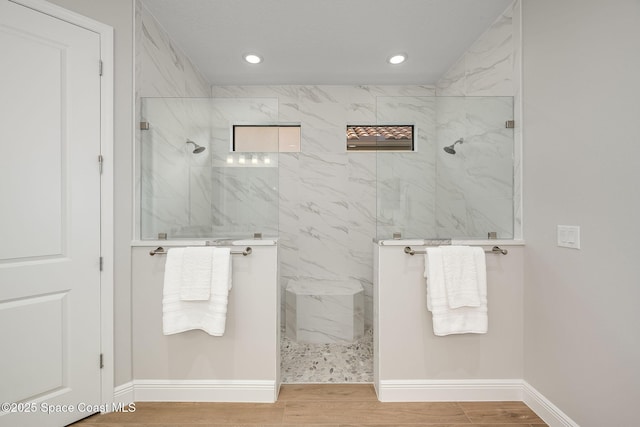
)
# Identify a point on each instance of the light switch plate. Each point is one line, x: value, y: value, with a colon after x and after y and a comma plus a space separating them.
x: 569, y: 236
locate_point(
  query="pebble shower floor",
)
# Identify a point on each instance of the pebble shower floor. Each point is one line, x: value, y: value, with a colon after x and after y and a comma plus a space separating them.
x: 327, y: 363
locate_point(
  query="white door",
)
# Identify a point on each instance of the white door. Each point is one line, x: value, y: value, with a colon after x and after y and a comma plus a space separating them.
x: 49, y: 219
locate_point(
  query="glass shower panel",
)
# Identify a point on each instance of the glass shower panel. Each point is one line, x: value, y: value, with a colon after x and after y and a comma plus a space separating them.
x: 173, y: 180
x: 474, y: 185
x: 190, y: 193
x: 244, y: 185
x: 406, y: 186
x: 463, y: 192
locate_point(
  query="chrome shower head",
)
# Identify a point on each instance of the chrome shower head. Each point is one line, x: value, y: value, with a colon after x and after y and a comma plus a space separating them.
x: 197, y: 148
x: 449, y: 148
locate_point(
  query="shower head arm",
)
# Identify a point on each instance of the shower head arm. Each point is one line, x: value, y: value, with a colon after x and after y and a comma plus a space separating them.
x: 450, y: 148
x: 196, y: 148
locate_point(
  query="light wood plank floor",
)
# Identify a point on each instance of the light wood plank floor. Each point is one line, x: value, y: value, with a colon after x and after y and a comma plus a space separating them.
x: 322, y: 405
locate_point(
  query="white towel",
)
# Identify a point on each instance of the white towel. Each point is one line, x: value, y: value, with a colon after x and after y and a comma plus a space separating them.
x: 221, y: 270
x: 197, y: 264
x: 434, y: 273
x: 447, y: 320
x: 209, y: 315
x: 462, y: 276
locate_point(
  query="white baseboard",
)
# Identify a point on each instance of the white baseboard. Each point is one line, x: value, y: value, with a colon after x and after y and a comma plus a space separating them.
x: 546, y: 410
x: 387, y: 390
x: 449, y: 390
x: 205, y: 391
x: 124, y: 393
x: 473, y: 390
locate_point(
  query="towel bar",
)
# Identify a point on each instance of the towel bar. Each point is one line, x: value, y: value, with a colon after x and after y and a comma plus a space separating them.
x: 162, y: 251
x: 495, y: 250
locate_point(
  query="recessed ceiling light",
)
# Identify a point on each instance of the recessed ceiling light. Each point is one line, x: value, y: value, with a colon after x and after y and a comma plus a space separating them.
x: 397, y: 59
x: 252, y: 58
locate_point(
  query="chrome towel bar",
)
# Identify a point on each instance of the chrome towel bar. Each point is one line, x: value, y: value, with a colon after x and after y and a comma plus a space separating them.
x: 495, y: 250
x: 162, y: 251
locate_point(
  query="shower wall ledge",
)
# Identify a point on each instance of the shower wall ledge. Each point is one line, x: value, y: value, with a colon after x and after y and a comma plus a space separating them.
x: 217, y: 242
x: 489, y: 242
x: 435, y: 242
x: 380, y: 242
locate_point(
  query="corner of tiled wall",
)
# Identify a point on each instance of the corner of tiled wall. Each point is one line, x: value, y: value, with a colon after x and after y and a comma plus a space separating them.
x: 163, y: 70
x: 490, y: 67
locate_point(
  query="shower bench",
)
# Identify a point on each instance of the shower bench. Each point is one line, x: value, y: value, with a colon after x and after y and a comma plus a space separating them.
x: 325, y: 311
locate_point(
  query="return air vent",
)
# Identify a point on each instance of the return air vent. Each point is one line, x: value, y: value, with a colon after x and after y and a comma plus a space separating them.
x: 380, y: 138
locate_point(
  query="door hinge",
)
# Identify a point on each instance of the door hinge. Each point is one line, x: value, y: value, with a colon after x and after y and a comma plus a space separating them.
x: 100, y: 162
x: 100, y: 67
x: 101, y: 361
x: 101, y: 263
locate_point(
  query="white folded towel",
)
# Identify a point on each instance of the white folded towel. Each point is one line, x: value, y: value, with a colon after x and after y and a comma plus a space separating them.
x: 448, y: 320
x: 197, y: 264
x: 434, y: 273
x: 209, y: 315
x: 221, y: 270
x: 462, y: 276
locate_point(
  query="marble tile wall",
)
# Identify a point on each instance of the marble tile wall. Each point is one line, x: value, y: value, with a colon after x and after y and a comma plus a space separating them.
x: 164, y: 165
x: 213, y: 193
x: 430, y: 193
x: 490, y: 67
x: 163, y: 69
x: 243, y: 187
x: 474, y: 187
x: 327, y: 196
x: 175, y: 182
x: 327, y: 200
x: 487, y: 67
x: 195, y: 195
x: 406, y: 182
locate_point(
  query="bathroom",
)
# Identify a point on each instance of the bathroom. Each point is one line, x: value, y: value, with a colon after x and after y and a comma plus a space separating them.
x: 530, y: 334
x: 328, y: 197
x: 331, y: 203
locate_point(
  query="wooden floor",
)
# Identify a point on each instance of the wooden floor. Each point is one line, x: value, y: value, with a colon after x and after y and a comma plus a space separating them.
x: 341, y: 405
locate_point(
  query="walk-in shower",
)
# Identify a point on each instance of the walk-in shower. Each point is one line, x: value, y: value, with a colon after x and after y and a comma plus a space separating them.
x: 424, y: 194
x: 324, y: 204
x: 189, y: 188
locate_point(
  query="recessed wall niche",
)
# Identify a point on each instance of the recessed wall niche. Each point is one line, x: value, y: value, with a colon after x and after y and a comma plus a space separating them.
x: 266, y: 138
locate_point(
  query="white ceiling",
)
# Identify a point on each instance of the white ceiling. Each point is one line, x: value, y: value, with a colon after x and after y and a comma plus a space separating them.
x: 324, y: 41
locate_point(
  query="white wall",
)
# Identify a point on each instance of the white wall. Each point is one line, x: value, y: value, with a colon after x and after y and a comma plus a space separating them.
x: 248, y: 350
x: 581, y: 150
x: 157, y: 77
x: 406, y: 347
x: 119, y: 15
